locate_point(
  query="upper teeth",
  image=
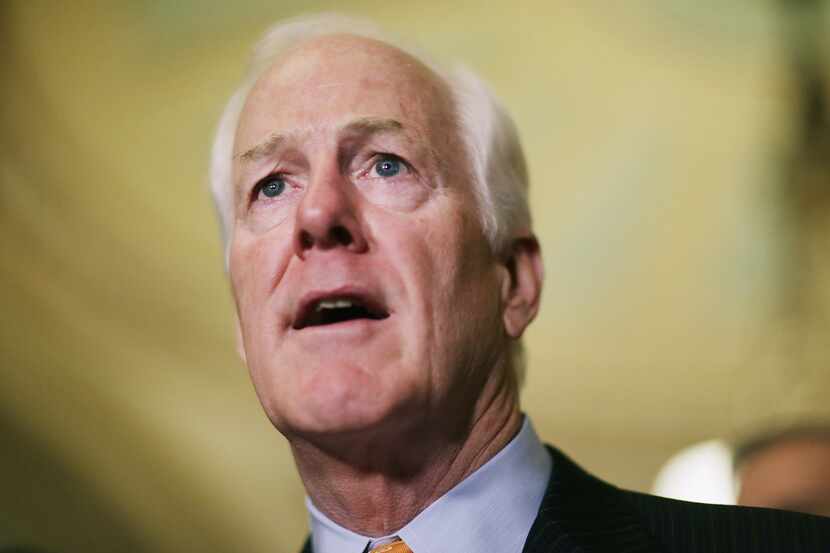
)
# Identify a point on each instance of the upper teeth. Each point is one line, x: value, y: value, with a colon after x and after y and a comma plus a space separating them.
x: 332, y: 304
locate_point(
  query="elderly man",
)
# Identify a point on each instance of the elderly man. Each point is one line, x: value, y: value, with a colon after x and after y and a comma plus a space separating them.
x: 384, y: 268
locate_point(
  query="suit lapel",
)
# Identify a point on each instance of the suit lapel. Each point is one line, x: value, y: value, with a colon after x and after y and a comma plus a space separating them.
x: 580, y: 513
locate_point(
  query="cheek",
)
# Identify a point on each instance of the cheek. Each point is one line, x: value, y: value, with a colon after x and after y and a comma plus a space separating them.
x: 396, y: 194
x: 466, y: 291
x: 257, y: 265
x: 268, y: 213
x: 426, y: 251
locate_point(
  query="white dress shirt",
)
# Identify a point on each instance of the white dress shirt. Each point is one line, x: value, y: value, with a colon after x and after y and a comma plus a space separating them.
x: 490, y: 510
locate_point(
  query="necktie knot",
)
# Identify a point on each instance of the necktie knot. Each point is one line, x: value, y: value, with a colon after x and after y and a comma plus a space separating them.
x: 397, y: 546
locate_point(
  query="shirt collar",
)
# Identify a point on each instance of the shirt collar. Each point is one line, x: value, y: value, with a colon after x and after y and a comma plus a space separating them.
x: 490, y: 510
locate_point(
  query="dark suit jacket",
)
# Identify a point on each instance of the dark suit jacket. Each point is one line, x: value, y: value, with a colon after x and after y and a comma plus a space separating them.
x: 582, y: 514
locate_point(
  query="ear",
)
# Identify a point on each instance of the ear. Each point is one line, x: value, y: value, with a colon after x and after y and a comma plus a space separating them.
x: 522, y: 290
x: 240, y: 342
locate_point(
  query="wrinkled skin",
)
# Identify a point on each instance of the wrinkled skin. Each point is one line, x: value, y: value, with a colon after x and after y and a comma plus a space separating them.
x: 434, y: 375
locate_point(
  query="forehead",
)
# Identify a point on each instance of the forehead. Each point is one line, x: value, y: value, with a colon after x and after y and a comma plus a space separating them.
x: 329, y: 81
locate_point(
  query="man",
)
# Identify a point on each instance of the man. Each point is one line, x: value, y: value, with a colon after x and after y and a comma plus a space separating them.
x: 384, y: 268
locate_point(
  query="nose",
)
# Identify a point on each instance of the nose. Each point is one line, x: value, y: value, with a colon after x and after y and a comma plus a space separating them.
x: 327, y: 217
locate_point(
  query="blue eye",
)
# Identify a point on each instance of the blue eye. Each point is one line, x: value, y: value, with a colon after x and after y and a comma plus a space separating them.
x: 388, y: 167
x: 272, y: 186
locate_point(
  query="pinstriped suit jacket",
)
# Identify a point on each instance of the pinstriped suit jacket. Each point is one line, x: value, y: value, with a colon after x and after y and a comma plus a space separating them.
x: 582, y: 514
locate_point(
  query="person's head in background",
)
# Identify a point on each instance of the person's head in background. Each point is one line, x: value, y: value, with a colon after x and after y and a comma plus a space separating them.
x: 786, y: 469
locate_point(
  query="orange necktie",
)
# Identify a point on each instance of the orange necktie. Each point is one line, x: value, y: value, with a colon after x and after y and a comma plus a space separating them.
x: 397, y: 546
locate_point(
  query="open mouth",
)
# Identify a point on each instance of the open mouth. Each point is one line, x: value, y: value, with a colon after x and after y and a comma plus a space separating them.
x: 333, y: 310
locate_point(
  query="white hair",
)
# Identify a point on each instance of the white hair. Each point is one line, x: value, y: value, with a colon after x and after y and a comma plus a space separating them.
x: 487, y: 131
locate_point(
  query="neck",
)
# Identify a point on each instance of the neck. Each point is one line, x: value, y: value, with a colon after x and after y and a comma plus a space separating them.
x: 378, y: 493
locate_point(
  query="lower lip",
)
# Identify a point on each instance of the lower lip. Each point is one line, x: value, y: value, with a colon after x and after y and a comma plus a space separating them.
x: 353, y: 328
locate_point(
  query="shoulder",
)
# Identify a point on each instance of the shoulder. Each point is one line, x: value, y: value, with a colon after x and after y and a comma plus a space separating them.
x: 593, y: 515
x: 697, y: 527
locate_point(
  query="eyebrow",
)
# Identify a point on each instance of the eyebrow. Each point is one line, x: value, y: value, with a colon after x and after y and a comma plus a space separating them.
x: 372, y: 125
x: 263, y: 149
x: 363, y: 125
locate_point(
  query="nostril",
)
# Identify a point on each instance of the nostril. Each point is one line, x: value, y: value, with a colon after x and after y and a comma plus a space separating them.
x: 337, y: 236
x: 306, y: 241
x: 341, y: 235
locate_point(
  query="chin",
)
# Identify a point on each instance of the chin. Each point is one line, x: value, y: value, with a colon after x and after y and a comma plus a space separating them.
x: 338, y: 399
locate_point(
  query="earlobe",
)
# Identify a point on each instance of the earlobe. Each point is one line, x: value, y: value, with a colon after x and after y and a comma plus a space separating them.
x: 522, y: 291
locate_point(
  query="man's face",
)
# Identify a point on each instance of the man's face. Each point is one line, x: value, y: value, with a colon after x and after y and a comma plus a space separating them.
x: 367, y: 295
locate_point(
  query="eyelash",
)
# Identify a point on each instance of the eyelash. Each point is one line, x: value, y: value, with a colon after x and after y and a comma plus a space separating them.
x: 256, y: 191
x: 386, y: 156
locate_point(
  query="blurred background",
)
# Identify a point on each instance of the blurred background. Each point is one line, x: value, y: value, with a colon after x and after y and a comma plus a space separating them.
x: 678, y: 152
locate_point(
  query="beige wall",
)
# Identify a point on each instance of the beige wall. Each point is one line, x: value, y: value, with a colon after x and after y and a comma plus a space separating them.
x: 653, y: 132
